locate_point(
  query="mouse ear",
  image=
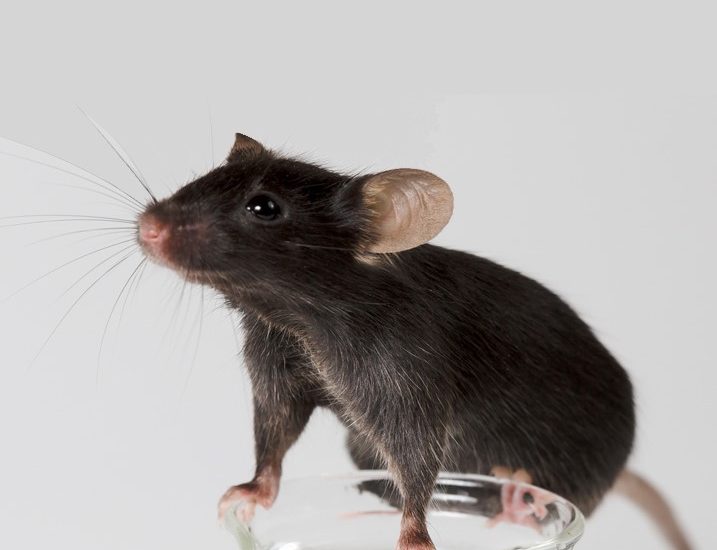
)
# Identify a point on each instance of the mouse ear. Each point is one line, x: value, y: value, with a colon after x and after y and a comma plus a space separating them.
x: 245, y: 146
x: 410, y: 207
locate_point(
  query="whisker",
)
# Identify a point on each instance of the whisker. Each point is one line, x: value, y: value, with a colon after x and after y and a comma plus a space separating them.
x: 319, y: 247
x: 123, y: 201
x: 72, y: 306
x: 196, y: 346
x: 175, y: 314
x: 106, y: 231
x: 101, y: 182
x: 74, y: 216
x: 211, y: 135
x: 109, y: 317
x: 54, y: 270
x: 185, y: 317
x: 132, y: 289
x: 124, y: 157
x: 65, y: 220
x: 107, y: 259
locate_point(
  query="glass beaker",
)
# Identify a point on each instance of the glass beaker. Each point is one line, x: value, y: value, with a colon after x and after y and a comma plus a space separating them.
x: 360, y: 511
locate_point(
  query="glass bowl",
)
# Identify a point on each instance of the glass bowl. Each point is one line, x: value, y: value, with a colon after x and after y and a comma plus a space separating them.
x: 360, y: 512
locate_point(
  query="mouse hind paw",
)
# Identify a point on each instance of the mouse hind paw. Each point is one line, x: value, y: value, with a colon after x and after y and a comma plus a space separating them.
x: 521, y: 504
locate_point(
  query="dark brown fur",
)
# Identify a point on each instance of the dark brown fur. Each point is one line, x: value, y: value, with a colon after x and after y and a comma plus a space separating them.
x: 434, y: 359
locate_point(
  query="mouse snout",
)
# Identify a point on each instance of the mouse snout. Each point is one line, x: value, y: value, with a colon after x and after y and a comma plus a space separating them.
x: 172, y: 239
x: 151, y: 231
x: 153, y: 236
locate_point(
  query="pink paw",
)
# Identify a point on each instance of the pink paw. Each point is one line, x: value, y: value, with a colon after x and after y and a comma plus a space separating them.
x: 244, y: 498
x: 522, y: 505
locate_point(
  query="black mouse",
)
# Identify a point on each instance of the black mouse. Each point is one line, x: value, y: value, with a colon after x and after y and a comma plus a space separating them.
x: 435, y: 359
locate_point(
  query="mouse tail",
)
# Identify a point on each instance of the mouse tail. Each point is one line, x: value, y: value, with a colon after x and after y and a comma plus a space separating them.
x: 650, y: 500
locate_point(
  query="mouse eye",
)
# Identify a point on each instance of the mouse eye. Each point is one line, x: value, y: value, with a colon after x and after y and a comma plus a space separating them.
x: 263, y: 207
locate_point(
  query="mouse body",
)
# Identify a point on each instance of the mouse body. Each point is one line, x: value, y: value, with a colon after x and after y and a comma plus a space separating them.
x: 441, y: 360
x: 434, y: 359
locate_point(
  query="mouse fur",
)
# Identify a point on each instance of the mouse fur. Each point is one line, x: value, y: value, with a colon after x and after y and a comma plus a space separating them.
x: 434, y: 359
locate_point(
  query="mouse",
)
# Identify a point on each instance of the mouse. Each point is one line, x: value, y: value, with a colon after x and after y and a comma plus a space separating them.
x: 434, y: 359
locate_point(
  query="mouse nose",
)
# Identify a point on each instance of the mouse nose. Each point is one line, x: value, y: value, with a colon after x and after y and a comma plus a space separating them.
x: 150, y: 230
x: 153, y: 233
x: 169, y: 237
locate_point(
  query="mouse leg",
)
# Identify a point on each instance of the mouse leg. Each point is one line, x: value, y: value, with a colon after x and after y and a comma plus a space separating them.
x: 415, y: 466
x: 275, y: 430
x: 282, y: 407
x: 411, y: 446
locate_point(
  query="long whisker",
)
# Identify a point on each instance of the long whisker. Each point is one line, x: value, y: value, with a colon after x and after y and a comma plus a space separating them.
x: 183, y: 322
x: 196, y: 347
x: 115, y: 197
x: 175, y: 314
x: 74, y: 216
x: 56, y: 269
x: 65, y: 220
x: 124, y: 157
x: 132, y: 289
x: 95, y: 179
x: 102, y: 232
x: 104, y: 261
x: 72, y: 306
x: 109, y: 317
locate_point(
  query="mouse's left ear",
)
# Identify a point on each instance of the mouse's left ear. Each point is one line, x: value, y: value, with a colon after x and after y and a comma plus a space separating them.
x: 244, y: 146
x: 409, y: 207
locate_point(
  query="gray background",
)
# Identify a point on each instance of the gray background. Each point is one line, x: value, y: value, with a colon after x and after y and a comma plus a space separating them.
x: 580, y: 143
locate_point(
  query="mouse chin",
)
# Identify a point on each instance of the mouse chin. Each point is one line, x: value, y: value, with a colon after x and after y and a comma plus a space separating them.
x: 161, y: 258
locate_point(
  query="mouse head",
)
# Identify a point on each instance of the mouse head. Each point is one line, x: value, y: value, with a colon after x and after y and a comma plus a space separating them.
x: 262, y: 218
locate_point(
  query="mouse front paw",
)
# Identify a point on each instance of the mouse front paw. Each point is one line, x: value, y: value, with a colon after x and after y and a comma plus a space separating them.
x: 244, y: 498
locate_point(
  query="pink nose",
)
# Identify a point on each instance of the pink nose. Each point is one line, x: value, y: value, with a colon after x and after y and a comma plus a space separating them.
x: 151, y: 232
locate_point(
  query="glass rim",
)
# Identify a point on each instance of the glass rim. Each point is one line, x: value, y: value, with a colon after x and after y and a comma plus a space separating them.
x: 570, y: 534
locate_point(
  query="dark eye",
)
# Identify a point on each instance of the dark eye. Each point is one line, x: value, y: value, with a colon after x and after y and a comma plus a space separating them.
x: 263, y: 207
